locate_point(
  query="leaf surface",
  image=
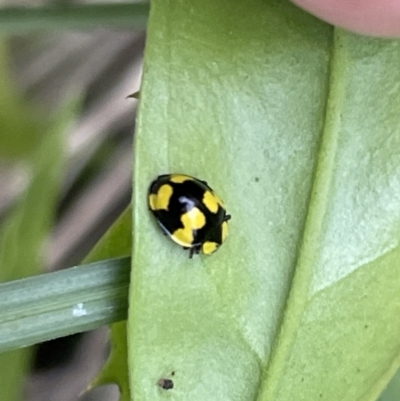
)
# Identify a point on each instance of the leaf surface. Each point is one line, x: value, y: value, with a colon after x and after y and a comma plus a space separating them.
x: 115, y: 243
x: 296, y: 126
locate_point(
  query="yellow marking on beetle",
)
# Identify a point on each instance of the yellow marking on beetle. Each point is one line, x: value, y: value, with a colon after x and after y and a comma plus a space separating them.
x: 209, y: 247
x: 219, y: 200
x: 153, y: 201
x: 183, y: 237
x: 224, y: 231
x: 160, y: 200
x: 194, y: 219
x: 211, y: 202
x: 179, y: 178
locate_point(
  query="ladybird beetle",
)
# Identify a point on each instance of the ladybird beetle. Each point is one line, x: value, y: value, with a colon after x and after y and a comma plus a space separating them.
x: 189, y: 212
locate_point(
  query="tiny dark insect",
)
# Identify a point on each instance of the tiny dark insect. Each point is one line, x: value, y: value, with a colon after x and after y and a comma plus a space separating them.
x: 166, y: 384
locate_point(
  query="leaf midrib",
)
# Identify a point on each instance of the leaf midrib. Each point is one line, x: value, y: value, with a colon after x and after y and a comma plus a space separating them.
x: 303, y: 271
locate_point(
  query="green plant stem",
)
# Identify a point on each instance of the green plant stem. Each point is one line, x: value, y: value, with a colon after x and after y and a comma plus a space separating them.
x: 24, y: 19
x: 56, y: 304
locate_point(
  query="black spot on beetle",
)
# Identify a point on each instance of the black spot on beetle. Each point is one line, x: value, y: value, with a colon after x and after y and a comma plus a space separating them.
x: 166, y: 384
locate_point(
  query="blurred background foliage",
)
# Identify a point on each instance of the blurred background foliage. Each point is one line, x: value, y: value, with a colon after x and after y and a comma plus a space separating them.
x: 66, y: 129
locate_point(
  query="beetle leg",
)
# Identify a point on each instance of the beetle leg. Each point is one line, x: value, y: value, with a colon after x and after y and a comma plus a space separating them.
x: 194, y: 250
x: 191, y: 252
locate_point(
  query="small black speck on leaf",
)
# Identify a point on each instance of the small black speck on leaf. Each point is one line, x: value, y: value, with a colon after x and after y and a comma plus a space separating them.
x: 166, y: 384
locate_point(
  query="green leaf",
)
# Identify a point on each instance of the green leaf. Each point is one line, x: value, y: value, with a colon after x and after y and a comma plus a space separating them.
x: 73, y: 300
x: 73, y: 16
x: 116, y: 368
x: 57, y: 304
x: 392, y: 391
x: 116, y: 242
x: 296, y: 126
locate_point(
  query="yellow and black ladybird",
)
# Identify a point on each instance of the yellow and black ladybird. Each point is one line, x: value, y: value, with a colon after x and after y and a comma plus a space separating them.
x: 189, y: 211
